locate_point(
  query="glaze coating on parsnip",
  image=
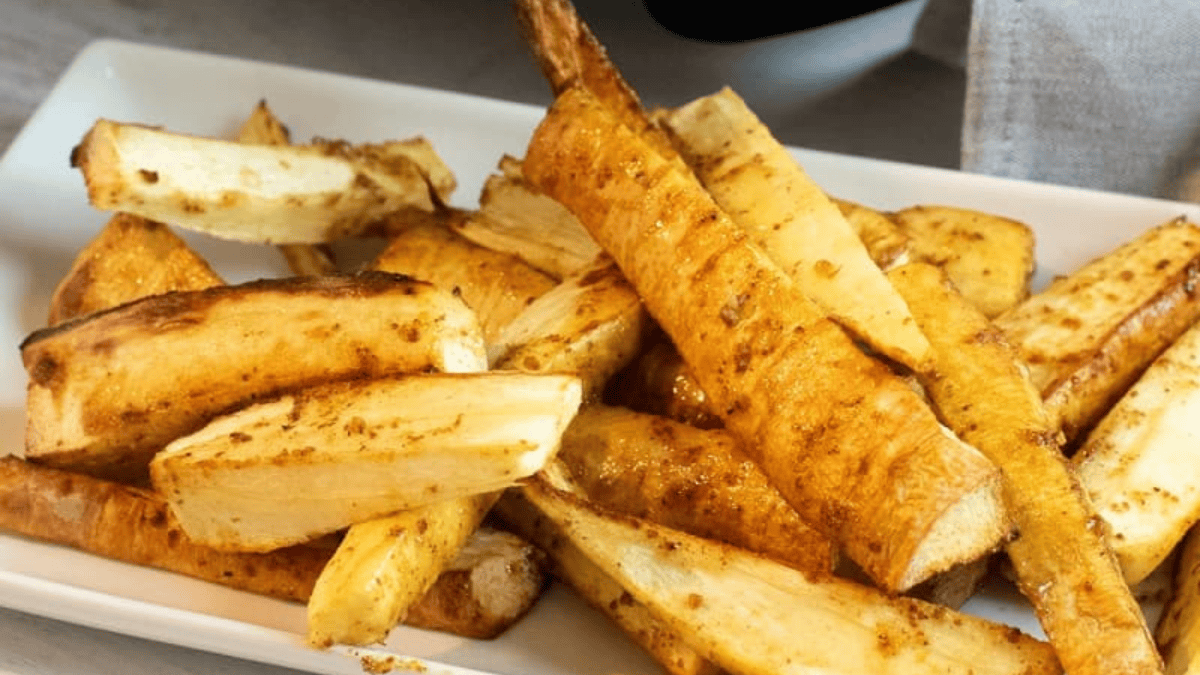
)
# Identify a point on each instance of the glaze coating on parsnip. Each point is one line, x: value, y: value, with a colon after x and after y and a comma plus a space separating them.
x: 854, y: 450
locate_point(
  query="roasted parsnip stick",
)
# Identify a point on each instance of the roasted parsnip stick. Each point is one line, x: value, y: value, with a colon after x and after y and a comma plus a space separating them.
x: 328, y: 456
x: 765, y: 191
x: 1062, y: 561
x: 1089, y: 335
x: 1178, y: 631
x: 257, y: 193
x: 885, y: 242
x: 850, y: 446
x: 225, y: 348
x: 708, y: 592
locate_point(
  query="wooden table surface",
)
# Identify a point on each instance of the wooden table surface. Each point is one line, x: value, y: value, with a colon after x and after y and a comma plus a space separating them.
x: 854, y: 90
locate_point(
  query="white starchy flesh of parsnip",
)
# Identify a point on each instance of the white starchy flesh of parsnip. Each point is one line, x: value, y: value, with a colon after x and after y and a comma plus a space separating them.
x: 497, y: 286
x: 888, y: 246
x: 592, y: 324
x: 753, y: 616
x: 255, y: 193
x: 988, y: 258
x: 764, y: 190
x: 262, y: 127
x: 854, y: 450
x: 129, y: 259
x: 101, y: 401
x: 1088, y: 336
x: 328, y: 456
x: 1062, y: 561
x: 514, y: 218
x: 1141, y: 464
x: 383, y: 566
x: 1178, y: 630
x: 599, y: 590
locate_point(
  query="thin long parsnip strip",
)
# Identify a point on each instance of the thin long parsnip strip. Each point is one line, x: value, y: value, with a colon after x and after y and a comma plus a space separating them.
x: 1063, y: 564
x: 755, y: 179
x: 850, y: 446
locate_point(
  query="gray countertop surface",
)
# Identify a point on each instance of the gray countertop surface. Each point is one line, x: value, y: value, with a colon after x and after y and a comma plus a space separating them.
x: 854, y: 88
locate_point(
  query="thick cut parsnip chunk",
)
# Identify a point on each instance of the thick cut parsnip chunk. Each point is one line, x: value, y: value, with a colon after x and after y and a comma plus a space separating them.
x: 328, y: 456
x: 1141, y: 464
x: 383, y: 566
x: 131, y: 258
x: 988, y: 258
x: 256, y: 193
x: 765, y: 191
x: 599, y: 590
x: 694, y: 480
x: 1089, y: 335
x: 497, y: 286
x: 850, y: 445
x: 108, y: 391
x: 753, y: 616
x: 1062, y: 561
x: 592, y: 324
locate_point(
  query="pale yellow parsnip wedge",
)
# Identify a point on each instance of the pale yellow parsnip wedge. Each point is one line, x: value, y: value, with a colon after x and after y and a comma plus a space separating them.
x: 753, y: 616
x: 1141, y: 464
x: 256, y: 193
x: 765, y: 190
x: 328, y: 456
x: 1060, y: 556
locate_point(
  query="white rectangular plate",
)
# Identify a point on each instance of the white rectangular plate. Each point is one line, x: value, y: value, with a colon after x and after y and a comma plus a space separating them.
x: 45, y: 219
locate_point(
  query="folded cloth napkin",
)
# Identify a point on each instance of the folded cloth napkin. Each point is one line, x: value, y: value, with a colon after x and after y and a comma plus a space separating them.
x: 1096, y: 93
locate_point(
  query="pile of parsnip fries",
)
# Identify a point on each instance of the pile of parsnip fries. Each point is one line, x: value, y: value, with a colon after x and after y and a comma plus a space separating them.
x: 657, y: 361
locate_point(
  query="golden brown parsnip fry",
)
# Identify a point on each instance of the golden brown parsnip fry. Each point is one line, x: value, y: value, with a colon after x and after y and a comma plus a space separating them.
x: 599, y: 590
x: 131, y: 258
x: 850, y: 446
x: 1178, y: 631
x: 255, y: 193
x: 498, y: 286
x: 226, y: 346
x: 262, y: 127
x: 471, y: 598
x: 1062, y: 562
x: 1088, y: 336
x: 755, y: 180
x: 744, y: 612
x: 592, y: 324
x: 328, y: 456
x: 1141, y: 464
x: 885, y: 242
x: 514, y: 218
x: 988, y: 258
x: 694, y: 480
x: 383, y: 566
